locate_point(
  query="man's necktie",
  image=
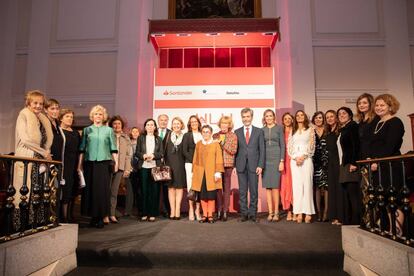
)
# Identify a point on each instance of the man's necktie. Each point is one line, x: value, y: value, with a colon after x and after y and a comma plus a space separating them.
x: 247, y: 135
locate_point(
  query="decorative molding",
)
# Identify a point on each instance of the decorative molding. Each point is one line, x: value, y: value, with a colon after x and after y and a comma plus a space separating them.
x: 56, y: 42
x: 329, y: 42
x: 84, y: 49
x: 354, y: 36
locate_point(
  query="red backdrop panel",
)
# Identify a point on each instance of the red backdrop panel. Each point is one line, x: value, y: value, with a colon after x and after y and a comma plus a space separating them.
x: 238, y: 57
x: 175, y: 58
x: 191, y: 58
x: 254, y: 57
x: 266, y: 57
x: 222, y: 57
x: 164, y: 58
x: 206, y: 57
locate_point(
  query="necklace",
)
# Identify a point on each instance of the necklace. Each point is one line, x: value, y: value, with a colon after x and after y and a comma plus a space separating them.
x: 378, y: 129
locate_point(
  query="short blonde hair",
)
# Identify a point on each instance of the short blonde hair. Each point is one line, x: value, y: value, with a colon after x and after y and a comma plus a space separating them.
x: 28, y: 98
x: 97, y: 108
x: 226, y: 119
x: 178, y: 119
x: 391, y: 101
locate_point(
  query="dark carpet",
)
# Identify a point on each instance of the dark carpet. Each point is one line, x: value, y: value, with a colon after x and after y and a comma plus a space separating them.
x: 169, y: 247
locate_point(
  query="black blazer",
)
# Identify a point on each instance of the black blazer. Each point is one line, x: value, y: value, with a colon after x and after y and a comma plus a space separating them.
x: 188, y: 147
x: 252, y: 154
x: 142, y: 149
x: 350, y: 143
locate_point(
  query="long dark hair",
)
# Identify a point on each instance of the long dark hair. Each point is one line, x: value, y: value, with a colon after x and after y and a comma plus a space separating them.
x: 370, y: 113
x: 317, y: 113
x: 144, y: 132
x: 189, y: 123
x: 283, y: 118
x: 305, y: 122
x: 328, y: 127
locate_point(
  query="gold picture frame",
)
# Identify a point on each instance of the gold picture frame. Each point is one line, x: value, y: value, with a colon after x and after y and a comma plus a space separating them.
x: 192, y: 9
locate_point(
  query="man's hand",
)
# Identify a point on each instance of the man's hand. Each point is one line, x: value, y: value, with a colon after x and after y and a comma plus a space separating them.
x: 259, y: 171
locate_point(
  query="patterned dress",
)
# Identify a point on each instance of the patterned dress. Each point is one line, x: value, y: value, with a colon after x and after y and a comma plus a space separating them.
x: 320, y: 162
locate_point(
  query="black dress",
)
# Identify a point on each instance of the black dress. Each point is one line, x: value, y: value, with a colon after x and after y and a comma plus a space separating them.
x: 71, y: 159
x: 320, y: 162
x: 174, y: 157
x: 336, y: 197
x: 386, y: 141
x: 366, y: 131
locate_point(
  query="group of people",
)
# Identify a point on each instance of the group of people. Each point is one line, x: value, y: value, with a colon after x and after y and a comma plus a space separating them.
x: 299, y: 162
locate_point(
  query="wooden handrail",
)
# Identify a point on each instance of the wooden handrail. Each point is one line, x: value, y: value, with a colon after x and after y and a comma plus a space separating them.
x: 391, y: 158
x: 17, y: 158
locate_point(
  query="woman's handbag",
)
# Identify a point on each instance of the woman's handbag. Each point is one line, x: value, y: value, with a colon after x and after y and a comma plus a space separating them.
x: 192, y: 195
x: 161, y: 173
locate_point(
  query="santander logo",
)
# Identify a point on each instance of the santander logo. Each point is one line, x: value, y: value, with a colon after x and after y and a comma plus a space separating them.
x: 178, y: 93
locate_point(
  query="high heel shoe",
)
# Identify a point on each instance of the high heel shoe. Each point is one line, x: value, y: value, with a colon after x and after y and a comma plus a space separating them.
x: 211, y: 220
x: 270, y: 216
x: 203, y: 220
x: 325, y: 217
x: 308, y: 219
x: 289, y: 216
x: 276, y: 217
x: 299, y: 218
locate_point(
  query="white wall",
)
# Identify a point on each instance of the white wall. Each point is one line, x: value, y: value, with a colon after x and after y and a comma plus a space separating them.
x: 85, y: 52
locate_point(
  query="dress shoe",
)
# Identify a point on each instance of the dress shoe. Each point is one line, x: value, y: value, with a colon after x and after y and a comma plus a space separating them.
x: 219, y: 216
x: 243, y: 218
x: 224, y: 218
x: 100, y: 224
x: 254, y: 219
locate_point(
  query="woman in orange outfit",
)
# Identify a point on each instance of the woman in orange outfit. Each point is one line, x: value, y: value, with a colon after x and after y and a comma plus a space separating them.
x: 207, y: 169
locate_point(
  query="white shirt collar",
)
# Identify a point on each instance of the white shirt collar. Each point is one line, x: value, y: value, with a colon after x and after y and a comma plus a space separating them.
x: 207, y: 142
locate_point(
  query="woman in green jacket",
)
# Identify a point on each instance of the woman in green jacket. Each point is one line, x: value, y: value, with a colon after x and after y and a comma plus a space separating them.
x: 98, y: 149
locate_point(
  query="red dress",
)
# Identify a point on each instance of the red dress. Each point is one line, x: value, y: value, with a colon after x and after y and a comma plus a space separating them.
x: 286, y: 179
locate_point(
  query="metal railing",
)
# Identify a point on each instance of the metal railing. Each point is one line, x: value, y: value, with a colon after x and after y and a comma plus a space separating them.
x: 386, y: 208
x: 32, y: 207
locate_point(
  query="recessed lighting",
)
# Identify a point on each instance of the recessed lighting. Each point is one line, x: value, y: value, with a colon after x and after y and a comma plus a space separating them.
x: 157, y: 35
x: 183, y: 34
x: 269, y: 33
x: 239, y: 34
x: 213, y: 34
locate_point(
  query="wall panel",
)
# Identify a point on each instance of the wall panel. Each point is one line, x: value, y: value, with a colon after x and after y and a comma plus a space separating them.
x: 78, y: 74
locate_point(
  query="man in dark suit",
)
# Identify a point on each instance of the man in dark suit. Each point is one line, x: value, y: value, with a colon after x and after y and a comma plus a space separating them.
x: 163, y: 132
x: 250, y: 160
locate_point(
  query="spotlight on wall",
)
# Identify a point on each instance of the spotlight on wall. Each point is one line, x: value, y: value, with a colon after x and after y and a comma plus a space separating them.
x: 213, y: 34
x: 157, y: 35
x: 239, y: 34
x: 269, y: 34
x: 183, y: 34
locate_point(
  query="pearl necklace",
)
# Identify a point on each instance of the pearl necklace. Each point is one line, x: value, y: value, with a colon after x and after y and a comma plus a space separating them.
x: 379, y: 129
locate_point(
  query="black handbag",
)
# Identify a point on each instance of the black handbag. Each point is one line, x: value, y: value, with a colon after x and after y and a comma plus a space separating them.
x: 193, y: 195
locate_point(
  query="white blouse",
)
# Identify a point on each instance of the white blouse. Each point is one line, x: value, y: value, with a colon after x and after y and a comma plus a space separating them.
x: 302, y: 143
x: 150, y: 146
